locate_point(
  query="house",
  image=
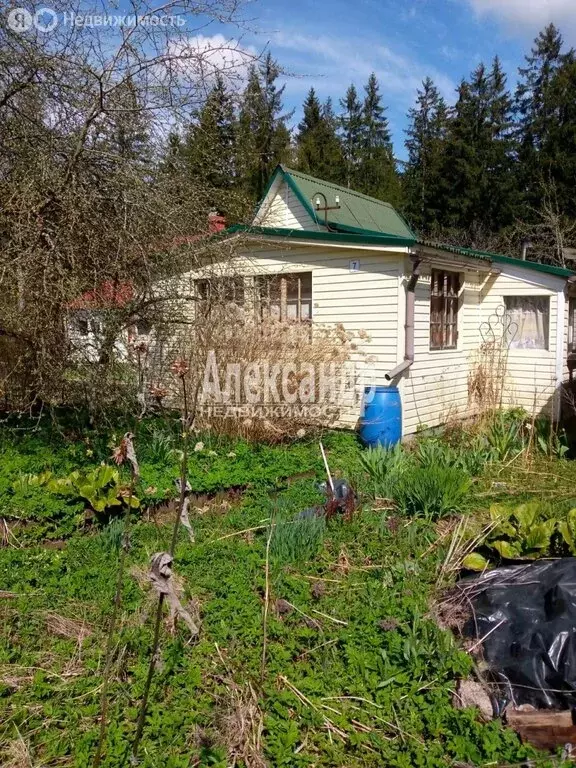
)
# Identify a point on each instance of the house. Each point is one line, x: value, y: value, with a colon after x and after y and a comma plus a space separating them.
x: 449, y: 326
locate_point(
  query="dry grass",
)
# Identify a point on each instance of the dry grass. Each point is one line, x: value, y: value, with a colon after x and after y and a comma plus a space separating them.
x: 487, y: 376
x: 16, y: 754
x: 241, y: 727
x: 62, y: 626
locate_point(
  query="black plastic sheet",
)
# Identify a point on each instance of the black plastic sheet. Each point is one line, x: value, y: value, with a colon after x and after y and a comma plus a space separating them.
x: 527, y: 617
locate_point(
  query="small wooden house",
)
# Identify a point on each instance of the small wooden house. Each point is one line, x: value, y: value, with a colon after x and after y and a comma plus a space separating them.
x: 447, y: 325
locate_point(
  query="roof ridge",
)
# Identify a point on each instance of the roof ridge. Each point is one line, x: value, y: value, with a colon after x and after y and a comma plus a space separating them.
x: 347, y: 190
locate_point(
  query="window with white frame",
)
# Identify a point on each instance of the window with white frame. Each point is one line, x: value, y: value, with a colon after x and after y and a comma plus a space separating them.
x: 287, y: 298
x: 528, y: 321
x: 444, y: 292
x: 222, y: 291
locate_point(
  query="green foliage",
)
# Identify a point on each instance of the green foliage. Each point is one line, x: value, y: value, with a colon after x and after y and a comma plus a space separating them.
x: 505, y: 434
x: 101, y: 487
x: 298, y: 539
x: 550, y: 441
x: 524, y: 532
x: 471, y: 457
x: 318, y: 148
x: 359, y: 626
x: 384, y: 466
x: 425, y: 145
x: 434, y: 491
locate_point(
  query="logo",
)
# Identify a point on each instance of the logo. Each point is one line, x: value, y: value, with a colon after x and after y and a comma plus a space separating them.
x: 21, y: 20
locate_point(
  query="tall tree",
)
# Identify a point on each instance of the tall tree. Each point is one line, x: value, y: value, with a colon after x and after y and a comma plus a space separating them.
x: 500, y: 193
x: 211, y: 142
x: 377, y: 169
x: 351, y: 134
x: 425, y: 143
x: 476, y: 190
x: 534, y: 111
x: 318, y: 147
x: 557, y: 152
x: 263, y: 137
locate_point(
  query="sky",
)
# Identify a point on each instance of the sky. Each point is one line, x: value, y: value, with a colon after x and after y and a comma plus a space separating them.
x: 328, y: 44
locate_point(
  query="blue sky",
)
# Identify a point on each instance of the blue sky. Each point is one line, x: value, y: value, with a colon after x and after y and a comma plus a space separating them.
x: 330, y: 43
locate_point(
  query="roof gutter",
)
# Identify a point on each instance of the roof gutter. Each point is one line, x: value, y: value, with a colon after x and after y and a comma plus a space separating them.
x: 409, y: 324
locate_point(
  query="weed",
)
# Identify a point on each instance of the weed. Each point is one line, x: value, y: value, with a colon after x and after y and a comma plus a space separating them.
x: 524, y: 532
x: 384, y: 466
x: 161, y: 448
x: 297, y: 540
x: 549, y: 440
x: 433, y: 491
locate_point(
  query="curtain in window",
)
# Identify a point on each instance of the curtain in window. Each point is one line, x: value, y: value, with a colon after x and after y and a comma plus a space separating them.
x: 529, y: 320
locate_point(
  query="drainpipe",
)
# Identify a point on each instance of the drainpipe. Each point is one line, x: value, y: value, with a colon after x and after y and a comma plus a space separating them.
x: 409, y: 325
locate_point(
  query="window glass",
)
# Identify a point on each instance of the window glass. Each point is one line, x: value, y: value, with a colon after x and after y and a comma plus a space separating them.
x: 528, y: 321
x: 285, y: 297
x: 444, y: 292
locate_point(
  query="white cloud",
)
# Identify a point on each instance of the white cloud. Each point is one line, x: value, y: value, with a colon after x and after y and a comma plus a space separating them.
x: 331, y: 64
x: 529, y: 14
x: 202, y: 57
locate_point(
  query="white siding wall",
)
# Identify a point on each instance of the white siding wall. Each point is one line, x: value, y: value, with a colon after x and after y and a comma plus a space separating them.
x: 436, y: 386
x: 531, y: 380
x: 366, y: 300
x: 281, y: 208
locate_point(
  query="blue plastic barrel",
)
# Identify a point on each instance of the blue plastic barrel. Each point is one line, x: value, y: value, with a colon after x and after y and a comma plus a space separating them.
x: 381, y: 423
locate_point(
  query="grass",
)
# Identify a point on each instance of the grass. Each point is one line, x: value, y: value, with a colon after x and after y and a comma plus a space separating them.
x: 357, y: 673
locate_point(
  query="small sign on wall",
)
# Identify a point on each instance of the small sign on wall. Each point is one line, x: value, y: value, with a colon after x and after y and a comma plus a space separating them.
x: 354, y: 265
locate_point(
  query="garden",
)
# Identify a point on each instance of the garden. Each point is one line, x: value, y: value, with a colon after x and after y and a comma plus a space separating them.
x: 293, y: 631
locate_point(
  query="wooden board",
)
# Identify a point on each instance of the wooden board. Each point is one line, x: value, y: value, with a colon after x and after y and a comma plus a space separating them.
x: 543, y: 728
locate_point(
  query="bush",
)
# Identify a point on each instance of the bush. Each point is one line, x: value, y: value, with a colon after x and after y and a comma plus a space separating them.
x: 432, y: 491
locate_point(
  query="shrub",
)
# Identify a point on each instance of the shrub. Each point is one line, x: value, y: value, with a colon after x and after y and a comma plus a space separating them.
x: 432, y: 491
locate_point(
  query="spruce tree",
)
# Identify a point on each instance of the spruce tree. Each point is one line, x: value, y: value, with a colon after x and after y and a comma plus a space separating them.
x: 500, y: 193
x: 477, y: 185
x: 318, y: 148
x: 211, y: 142
x: 377, y: 170
x: 263, y: 137
x: 425, y: 143
x: 557, y: 152
x: 351, y: 134
x: 535, y: 112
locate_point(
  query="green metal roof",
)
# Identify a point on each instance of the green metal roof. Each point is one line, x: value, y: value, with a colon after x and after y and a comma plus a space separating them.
x: 358, y: 214
x: 365, y: 220
x: 500, y: 259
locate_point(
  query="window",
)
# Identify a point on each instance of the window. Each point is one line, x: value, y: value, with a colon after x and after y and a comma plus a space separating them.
x: 444, y: 292
x: 220, y: 290
x: 81, y: 326
x: 528, y: 321
x: 143, y: 327
x: 285, y: 297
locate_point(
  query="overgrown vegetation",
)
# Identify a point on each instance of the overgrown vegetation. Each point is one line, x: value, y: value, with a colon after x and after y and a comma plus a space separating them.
x: 355, y: 671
